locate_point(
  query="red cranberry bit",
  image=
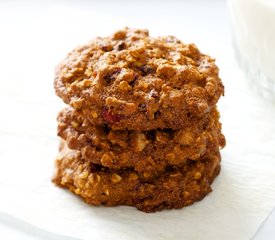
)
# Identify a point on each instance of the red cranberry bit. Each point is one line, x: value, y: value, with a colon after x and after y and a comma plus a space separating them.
x: 109, y: 117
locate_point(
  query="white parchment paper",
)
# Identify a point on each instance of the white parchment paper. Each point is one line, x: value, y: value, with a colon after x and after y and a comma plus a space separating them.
x: 243, y: 195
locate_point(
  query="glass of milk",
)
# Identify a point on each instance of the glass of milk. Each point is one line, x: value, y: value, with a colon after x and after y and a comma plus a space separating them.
x: 253, y: 23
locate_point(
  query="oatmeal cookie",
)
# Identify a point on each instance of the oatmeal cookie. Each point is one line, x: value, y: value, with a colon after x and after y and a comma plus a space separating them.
x: 148, y: 152
x: 133, y: 81
x: 176, y: 188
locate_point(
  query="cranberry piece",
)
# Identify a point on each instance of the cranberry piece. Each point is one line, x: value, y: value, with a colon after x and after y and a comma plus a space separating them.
x: 109, y: 117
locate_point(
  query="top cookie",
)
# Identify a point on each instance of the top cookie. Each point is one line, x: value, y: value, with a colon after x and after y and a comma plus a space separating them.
x: 136, y: 82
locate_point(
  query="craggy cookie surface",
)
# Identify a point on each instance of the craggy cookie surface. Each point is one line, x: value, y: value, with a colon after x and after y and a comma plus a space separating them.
x: 176, y: 188
x: 148, y: 152
x: 133, y: 81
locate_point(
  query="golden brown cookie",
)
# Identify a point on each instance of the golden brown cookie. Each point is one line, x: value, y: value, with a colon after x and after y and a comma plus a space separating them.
x: 148, y: 152
x: 176, y: 188
x: 133, y: 81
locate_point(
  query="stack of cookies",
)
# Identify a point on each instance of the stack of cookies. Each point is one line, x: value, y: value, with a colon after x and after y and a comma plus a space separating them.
x: 142, y: 127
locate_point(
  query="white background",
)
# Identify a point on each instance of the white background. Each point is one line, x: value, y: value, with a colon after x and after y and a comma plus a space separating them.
x: 35, y: 36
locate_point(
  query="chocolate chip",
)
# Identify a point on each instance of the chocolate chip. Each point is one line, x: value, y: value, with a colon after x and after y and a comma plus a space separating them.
x: 146, y: 69
x: 157, y: 114
x: 105, y: 129
x: 98, y: 149
x: 132, y: 83
x: 121, y: 46
x: 151, y: 135
x: 95, y: 168
x: 142, y: 107
x: 110, y: 77
x: 169, y: 131
x: 169, y: 169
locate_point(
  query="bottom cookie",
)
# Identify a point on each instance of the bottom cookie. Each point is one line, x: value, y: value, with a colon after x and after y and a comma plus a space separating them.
x: 176, y: 188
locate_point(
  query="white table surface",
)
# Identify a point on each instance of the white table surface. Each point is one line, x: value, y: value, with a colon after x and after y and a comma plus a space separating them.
x: 21, y: 29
